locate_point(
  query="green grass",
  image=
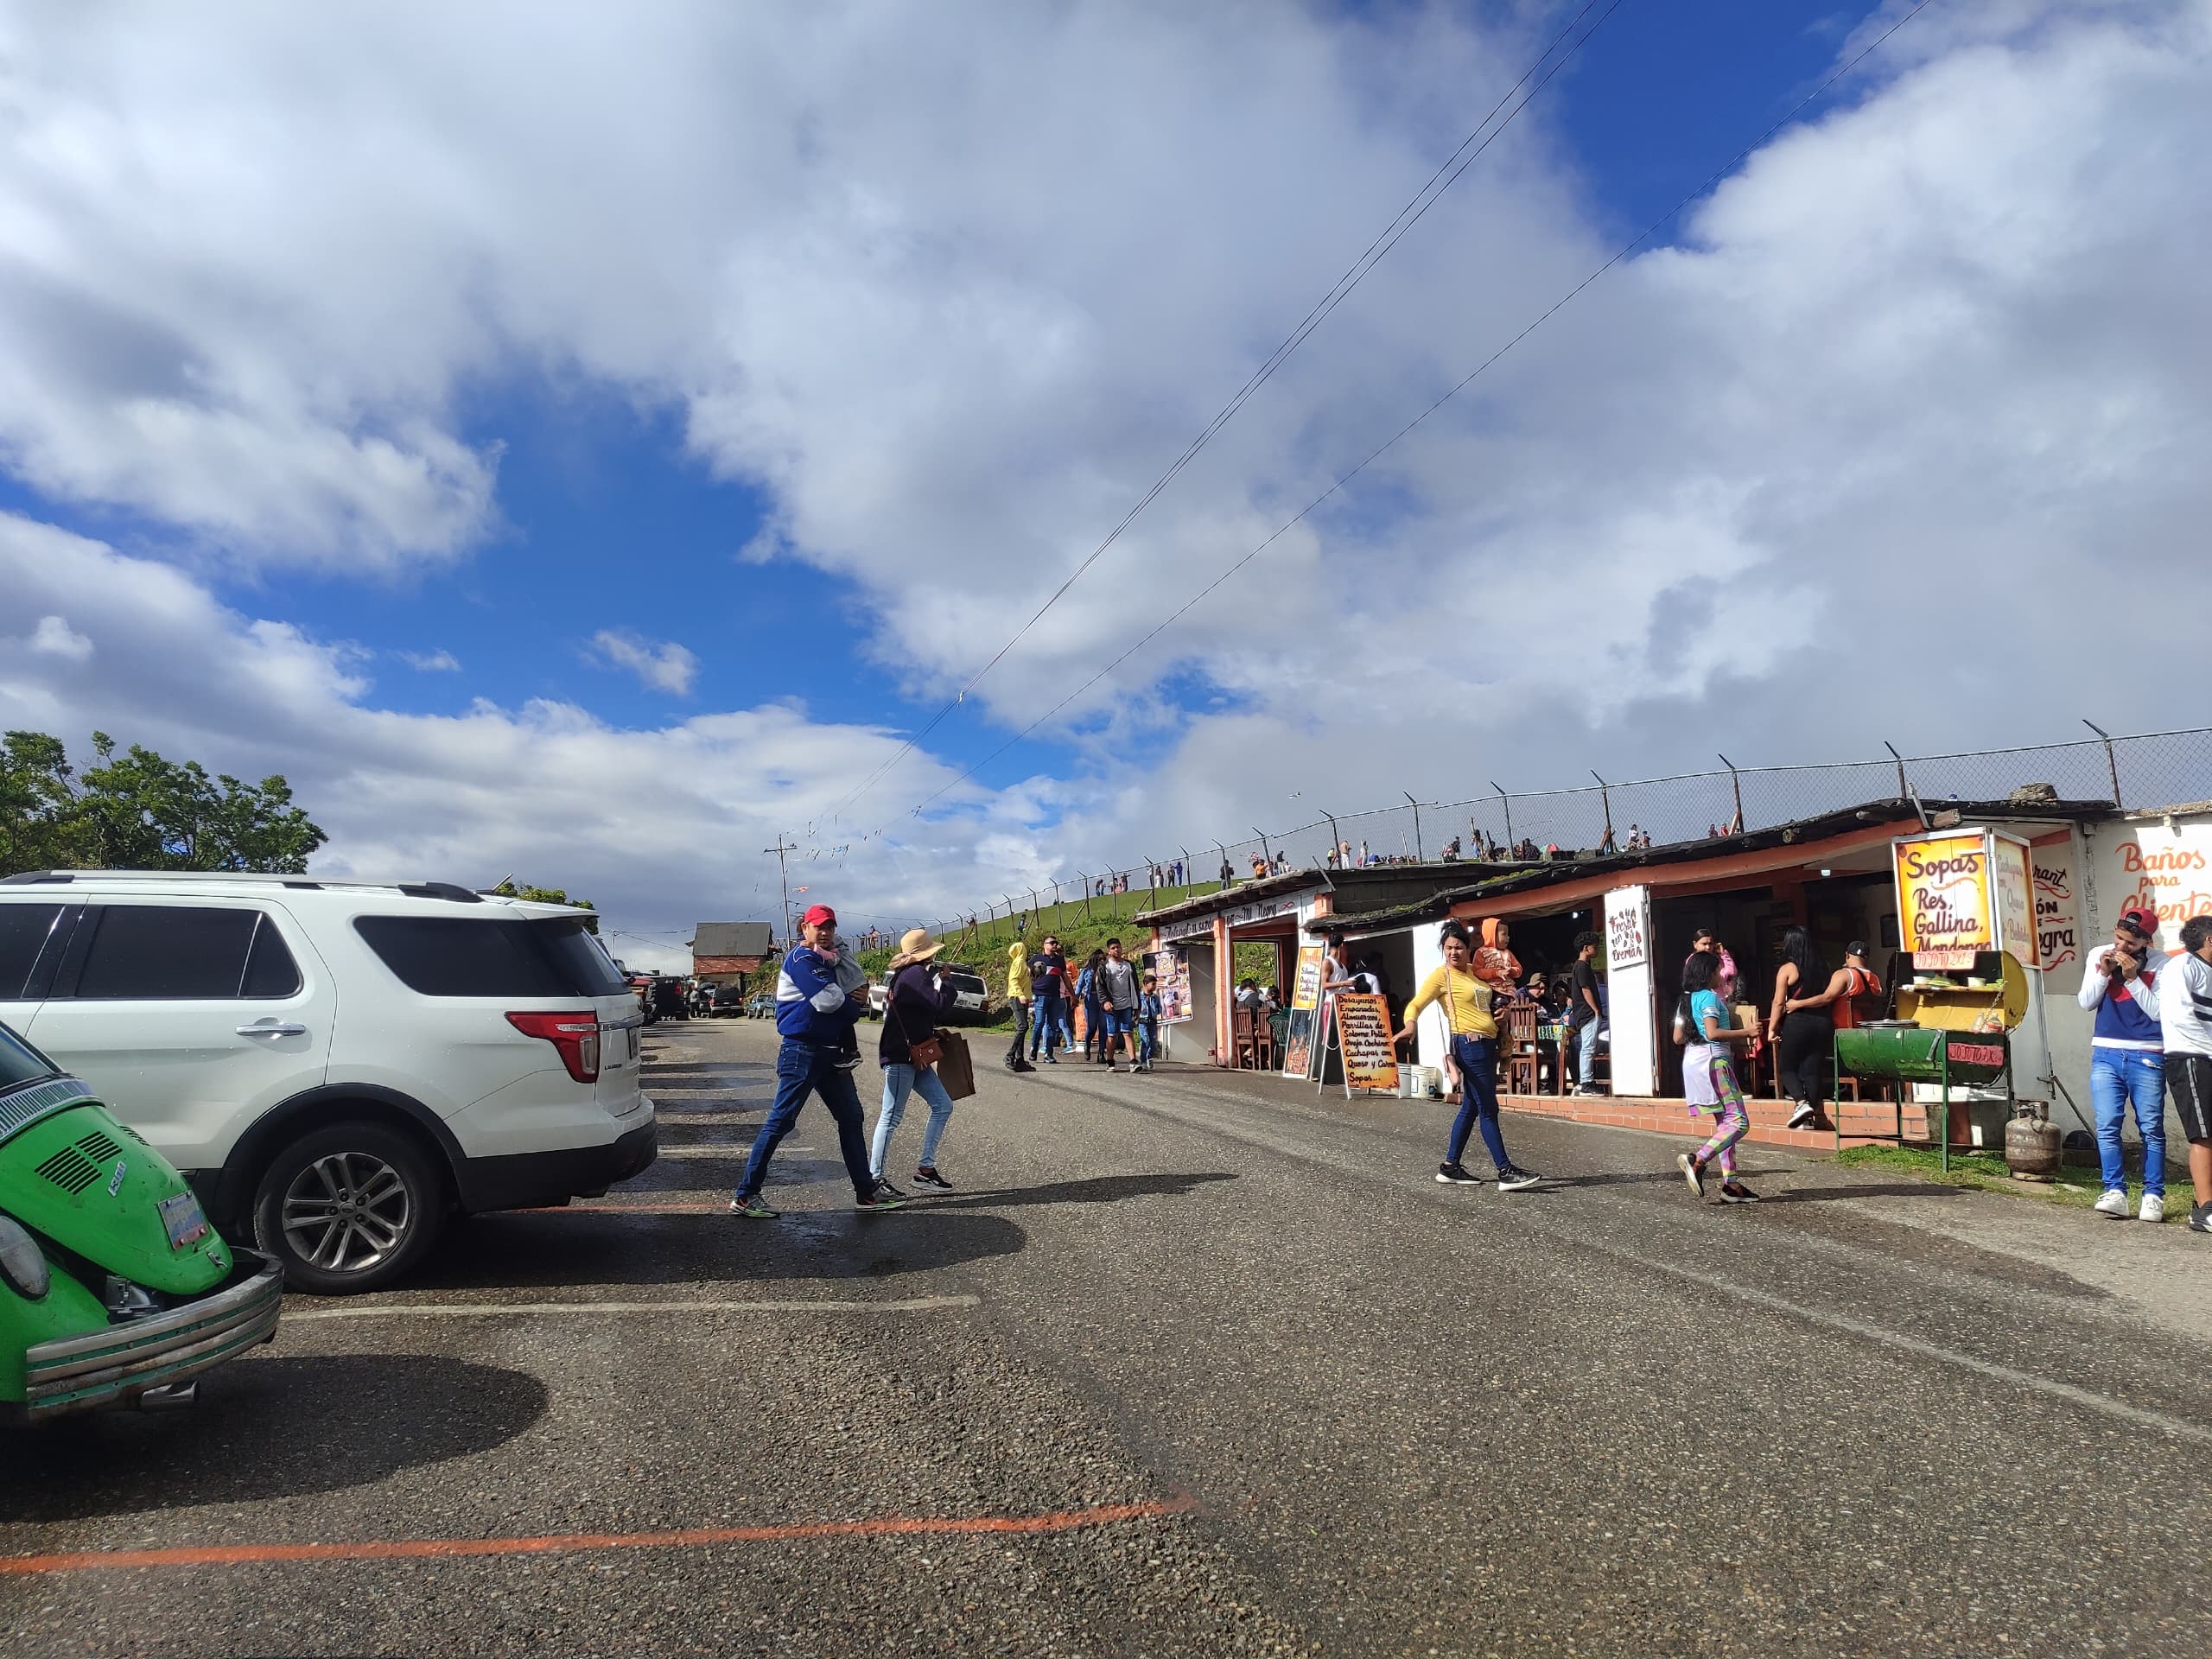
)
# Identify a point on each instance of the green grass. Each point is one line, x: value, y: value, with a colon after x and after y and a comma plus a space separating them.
x: 1985, y: 1171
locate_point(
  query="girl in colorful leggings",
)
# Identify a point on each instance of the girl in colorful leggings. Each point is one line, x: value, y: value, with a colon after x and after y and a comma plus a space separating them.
x: 1709, y: 1079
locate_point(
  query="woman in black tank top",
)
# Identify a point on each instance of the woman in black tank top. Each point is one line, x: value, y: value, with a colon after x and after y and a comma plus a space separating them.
x: 1804, y: 1038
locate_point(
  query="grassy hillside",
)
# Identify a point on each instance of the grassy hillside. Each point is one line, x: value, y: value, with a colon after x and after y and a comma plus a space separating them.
x: 984, y: 948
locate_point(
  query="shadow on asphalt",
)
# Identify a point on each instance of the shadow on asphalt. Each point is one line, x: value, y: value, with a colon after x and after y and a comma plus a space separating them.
x: 1889, y: 1190
x: 268, y: 1426
x: 604, y: 1247
x: 1103, y: 1189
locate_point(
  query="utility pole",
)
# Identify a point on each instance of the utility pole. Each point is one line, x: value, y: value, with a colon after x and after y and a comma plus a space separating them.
x: 784, y: 845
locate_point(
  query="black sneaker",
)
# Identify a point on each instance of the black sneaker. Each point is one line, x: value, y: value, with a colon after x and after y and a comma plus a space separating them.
x: 885, y: 1197
x: 2200, y: 1219
x: 1692, y: 1171
x: 1737, y: 1193
x: 929, y: 1176
x: 1513, y: 1178
x: 1454, y: 1175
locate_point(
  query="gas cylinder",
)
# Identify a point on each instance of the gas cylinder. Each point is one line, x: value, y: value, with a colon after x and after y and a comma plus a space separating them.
x: 2032, y: 1142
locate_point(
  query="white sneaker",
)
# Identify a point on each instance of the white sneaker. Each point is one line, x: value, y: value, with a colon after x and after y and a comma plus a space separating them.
x: 2154, y: 1208
x: 2113, y: 1203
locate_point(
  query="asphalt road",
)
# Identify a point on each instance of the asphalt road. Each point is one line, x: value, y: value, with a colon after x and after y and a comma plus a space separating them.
x: 1187, y: 1365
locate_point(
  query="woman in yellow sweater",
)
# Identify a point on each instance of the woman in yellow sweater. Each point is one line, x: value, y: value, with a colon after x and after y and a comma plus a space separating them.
x: 1474, y: 1054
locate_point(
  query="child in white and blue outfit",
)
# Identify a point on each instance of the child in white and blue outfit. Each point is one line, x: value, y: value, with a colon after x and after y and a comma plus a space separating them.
x: 1148, y: 1022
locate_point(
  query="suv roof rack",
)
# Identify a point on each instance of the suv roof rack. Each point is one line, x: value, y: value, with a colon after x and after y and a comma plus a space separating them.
x: 447, y: 890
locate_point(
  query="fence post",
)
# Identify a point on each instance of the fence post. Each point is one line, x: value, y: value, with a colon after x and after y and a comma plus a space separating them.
x: 1187, y: 870
x: 1231, y: 881
x: 1512, y: 847
x: 1606, y: 796
x: 1735, y: 788
x: 1336, y: 844
x: 1415, y: 804
x: 1904, y: 790
x: 1266, y: 851
x: 2111, y: 766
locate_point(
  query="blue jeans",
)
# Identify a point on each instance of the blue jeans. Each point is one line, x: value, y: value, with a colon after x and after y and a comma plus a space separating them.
x: 1477, y: 1058
x: 2120, y: 1077
x: 1053, y: 1021
x: 802, y: 1069
x: 1149, y: 1030
x: 899, y: 1082
x: 1586, y: 1052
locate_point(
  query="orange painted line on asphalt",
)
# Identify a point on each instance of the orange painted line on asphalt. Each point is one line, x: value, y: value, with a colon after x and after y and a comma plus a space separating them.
x: 622, y: 1208
x: 691, y: 1537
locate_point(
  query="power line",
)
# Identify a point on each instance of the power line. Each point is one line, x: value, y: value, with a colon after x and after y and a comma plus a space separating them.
x: 1375, y: 252
x: 1390, y: 442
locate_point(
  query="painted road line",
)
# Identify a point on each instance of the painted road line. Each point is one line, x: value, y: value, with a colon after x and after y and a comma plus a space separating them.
x: 482, y: 1309
x: 727, y: 1149
x: 88, y: 1560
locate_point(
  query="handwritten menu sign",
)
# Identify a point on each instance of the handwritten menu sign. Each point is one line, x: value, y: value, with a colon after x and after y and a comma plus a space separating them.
x: 1944, y: 909
x: 1305, y: 988
x: 1363, y: 1029
x: 2058, y: 906
x: 2015, y: 899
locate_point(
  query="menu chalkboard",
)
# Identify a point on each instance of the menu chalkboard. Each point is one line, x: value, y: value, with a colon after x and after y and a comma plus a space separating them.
x: 1370, y: 1060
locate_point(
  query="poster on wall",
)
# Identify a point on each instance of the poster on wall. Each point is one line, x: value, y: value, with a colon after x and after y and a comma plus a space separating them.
x: 1370, y: 1060
x: 1174, y: 986
x: 2150, y: 866
x: 1298, y: 1043
x: 2012, y: 892
x: 2058, y: 904
x: 1629, y: 991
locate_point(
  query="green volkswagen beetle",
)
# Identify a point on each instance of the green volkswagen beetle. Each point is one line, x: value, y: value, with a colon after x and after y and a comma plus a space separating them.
x: 113, y: 1288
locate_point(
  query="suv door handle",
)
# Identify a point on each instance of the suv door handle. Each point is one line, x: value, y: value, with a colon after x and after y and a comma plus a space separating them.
x: 272, y: 1029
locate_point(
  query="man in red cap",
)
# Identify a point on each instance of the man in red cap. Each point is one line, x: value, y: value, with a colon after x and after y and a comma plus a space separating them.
x: 2127, y: 1059
x: 820, y: 991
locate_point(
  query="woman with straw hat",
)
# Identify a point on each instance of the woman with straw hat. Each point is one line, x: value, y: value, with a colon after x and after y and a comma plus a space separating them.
x: 918, y: 995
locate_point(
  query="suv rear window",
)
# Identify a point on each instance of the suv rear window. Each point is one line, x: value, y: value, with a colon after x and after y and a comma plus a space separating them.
x: 438, y: 955
x: 23, y: 929
x: 164, y: 953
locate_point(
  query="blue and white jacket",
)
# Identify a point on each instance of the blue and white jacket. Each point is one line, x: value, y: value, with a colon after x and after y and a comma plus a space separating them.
x: 2185, y: 1005
x: 819, y: 1002
x: 2127, y: 1012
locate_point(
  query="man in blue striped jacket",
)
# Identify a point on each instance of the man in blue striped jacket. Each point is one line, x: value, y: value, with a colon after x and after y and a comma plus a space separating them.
x: 820, y: 992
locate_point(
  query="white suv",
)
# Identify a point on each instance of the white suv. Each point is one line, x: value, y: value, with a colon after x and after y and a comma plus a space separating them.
x: 336, y: 1066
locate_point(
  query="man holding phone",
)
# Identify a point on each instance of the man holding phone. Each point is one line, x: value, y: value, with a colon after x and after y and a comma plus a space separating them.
x: 2127, y: 1068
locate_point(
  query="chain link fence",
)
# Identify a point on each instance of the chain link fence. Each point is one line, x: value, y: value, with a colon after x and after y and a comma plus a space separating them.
x: 2151, y: 770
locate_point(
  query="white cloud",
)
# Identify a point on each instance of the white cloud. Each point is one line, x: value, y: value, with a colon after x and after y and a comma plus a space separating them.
x: 431, y: 662
x: 545, y: 791
x: 667, y: 667
x: 54, y: 637
x: 1912, y: 419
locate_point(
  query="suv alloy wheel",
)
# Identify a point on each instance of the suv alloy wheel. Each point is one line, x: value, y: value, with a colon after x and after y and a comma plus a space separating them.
x: 348, y: 1208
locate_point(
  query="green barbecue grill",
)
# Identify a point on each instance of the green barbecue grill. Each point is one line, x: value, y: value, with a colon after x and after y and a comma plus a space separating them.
x: 1909, y: 1053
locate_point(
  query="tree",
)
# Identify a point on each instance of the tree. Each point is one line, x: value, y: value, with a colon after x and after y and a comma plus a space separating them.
x: 40, y: 826
x: 507, y: 889
x: 141, y: 811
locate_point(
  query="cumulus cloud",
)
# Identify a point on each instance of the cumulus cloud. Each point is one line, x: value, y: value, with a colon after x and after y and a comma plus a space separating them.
x: 665, y: 667
x: 431, y: 662
x: 1890, y: 438
x: 545, y: 789
x: 54, y: 637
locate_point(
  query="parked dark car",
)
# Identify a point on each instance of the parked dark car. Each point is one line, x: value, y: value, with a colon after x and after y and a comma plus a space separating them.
x: 727, y: 1000
x: 668, y: 998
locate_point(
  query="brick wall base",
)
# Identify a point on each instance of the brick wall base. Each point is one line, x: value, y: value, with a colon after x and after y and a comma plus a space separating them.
x: 1858, y: 1121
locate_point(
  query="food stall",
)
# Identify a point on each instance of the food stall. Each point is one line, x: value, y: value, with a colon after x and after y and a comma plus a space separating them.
x: 1965, y: 924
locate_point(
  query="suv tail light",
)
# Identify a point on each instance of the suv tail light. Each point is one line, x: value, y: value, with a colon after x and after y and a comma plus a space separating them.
x: 575, y: 1036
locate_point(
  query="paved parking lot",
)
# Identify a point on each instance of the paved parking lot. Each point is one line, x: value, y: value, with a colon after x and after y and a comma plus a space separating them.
x: 1185, y: 1365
